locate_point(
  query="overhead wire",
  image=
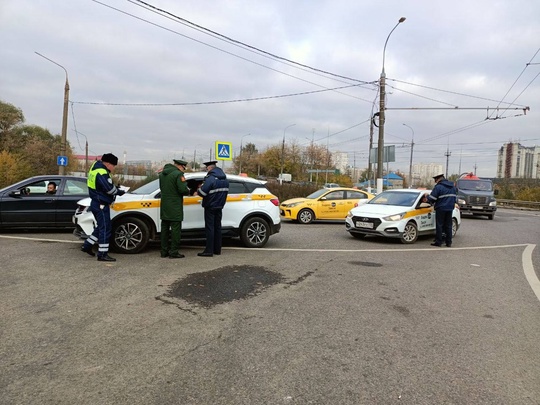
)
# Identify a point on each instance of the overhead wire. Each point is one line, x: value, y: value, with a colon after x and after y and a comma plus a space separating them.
x: 362, y: 83
x: 235, y: 42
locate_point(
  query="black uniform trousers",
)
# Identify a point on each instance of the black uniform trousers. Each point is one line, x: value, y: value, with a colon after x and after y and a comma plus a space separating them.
x: 212, y: 227
x: 443, y: 225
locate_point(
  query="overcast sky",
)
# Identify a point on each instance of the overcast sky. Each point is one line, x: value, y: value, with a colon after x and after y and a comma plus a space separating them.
x: 445, y: 66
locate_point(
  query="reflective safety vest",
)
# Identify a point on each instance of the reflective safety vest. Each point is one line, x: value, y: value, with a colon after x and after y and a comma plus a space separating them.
x: 92, y: 174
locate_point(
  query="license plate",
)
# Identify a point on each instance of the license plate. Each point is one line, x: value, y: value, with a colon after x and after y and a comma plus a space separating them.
x: 476, y: 208
x: 360, y: 224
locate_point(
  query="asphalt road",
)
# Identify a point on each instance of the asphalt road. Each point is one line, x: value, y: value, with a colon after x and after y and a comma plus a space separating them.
x: 331, y: 320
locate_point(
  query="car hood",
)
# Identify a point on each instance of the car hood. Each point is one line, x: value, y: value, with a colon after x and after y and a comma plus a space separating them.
x: 85, y: 202
x: 378, y: 210
x: 296, y: 200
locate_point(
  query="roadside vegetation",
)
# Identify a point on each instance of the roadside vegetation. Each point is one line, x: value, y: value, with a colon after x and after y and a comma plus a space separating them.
x: 28, y: 150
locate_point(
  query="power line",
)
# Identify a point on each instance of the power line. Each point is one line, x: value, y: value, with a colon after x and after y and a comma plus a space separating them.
x: 212, y: 102
x: 229, y: 53
x: 235, y: 42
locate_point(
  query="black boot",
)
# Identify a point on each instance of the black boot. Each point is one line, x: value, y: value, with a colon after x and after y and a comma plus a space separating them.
x: 106, y: 258
x: 87, y: 250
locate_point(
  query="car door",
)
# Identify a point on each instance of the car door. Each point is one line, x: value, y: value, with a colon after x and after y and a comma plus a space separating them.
x: 352, y: 198
x: 29, y: 205
x: 425, y: 216
x: 193, y: 210
x: 70, y: 191
x: 331, y: 204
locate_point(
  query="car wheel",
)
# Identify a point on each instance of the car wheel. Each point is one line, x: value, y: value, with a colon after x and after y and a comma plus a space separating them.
x: 491, y: 216
x: 306, y: 216
x: 358, y: 235
x: 130, y: 235
x: 255, y: 232
x: 454, y: 227
x: 410, y: 233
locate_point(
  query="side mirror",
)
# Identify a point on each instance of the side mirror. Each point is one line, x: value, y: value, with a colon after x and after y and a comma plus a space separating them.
x: 496, y: 192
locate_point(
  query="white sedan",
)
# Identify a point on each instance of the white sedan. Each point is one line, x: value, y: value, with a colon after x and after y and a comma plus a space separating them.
x: 396, y: 214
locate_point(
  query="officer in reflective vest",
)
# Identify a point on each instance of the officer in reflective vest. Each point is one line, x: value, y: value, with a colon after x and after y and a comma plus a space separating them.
x: 102, y: 193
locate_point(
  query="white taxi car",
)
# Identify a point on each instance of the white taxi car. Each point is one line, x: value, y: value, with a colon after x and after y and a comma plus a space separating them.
x: 251, y: 213
x: 396, y: 214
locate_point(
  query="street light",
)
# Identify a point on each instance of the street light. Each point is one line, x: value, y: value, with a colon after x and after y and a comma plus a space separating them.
x: 283, y: 153
x: 240, y: 156
x: 410, y: 162
x: 61, y: 168
x: 382, y: 96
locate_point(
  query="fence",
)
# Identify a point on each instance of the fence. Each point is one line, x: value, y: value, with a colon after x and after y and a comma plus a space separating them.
x: 533, y: 205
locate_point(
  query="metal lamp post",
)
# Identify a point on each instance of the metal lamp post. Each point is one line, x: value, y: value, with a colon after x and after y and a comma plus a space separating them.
x: 283, y: 153
x: 61, y: 168
x: 410, y: 162
x: 382, y: 96
x: 240, y: 155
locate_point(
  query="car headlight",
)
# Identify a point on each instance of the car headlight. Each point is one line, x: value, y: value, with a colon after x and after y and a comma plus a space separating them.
x: 350, y: 214
x: 493, y: 204
x: 461, y: 201
x: 291, y: 205
x: 395, y: 217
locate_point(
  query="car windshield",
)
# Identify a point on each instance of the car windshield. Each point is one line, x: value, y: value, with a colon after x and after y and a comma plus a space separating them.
x: 402, y: 199
x: 317, y: 194
x: 476, y: 185
x: 148, y: 188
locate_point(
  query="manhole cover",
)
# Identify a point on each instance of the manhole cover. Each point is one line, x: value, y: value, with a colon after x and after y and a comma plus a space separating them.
x: 223, y: 285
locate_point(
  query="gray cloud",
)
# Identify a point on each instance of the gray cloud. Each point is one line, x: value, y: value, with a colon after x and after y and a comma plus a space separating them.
x: 467, y: 48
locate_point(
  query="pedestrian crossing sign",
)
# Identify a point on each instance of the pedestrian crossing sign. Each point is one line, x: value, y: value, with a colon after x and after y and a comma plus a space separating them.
x: 223, y: 150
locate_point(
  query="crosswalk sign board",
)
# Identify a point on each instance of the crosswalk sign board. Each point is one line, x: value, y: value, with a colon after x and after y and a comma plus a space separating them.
x: 223, y: 150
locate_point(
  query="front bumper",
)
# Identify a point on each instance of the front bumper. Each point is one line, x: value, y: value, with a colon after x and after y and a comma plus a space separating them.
x: 385, y: 229
x: 476, y: 209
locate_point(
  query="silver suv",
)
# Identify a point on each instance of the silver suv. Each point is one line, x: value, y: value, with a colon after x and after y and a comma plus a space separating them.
x: 251, y: 213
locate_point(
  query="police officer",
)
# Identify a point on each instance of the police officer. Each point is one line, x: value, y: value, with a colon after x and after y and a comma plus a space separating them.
x: 173, y: 187
x: 443, y: 197
x: 214, y: 192
x: 102, y: 192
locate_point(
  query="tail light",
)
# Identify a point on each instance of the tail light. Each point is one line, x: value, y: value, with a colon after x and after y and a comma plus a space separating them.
x: 275, y: 201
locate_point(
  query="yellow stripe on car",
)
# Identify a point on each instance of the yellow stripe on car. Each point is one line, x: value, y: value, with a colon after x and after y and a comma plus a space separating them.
x: 419, y: 211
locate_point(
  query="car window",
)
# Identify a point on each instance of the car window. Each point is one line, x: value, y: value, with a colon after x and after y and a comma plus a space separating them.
x: 76, y: 187
x: 236, y: 187
x: 147, y: 188
x: 335, y: 195
x: 355, y: 195
x: 38, y: 187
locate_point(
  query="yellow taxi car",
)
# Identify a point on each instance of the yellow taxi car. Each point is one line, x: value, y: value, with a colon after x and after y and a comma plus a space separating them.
x: 323, y: 204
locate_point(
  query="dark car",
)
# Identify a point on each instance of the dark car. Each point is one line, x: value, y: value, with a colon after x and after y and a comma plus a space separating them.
x: 32, y: 203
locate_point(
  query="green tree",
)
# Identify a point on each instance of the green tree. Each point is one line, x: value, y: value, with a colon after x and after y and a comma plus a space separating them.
x: 13, y: 168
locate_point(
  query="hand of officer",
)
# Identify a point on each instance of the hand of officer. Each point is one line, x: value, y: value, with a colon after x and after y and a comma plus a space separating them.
x: 120, y: 192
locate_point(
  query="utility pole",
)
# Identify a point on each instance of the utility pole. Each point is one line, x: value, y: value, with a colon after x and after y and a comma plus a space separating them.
x: 447, y: 154
x: 61, y: 168
x: 382, y: 96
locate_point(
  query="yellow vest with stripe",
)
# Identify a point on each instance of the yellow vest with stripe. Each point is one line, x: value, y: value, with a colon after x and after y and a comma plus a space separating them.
x: 92, y: 174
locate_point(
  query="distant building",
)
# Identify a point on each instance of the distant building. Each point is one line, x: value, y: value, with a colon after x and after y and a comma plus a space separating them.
x: 423, y: 173
x: 517, y: 161
x: 341, y: 161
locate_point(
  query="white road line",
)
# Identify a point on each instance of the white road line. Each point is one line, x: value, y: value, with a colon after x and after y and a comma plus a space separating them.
x: 526, y: 257
x: 528, y: 269
x: 40, y: 239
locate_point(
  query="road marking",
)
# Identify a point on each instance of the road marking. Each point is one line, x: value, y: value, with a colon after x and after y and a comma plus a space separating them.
x: 39, y: 239
x: 526, y: 258
x: 528, y: 269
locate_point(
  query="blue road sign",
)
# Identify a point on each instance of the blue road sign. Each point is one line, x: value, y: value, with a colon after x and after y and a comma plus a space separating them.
x: 61, y: 160
x: 223, y: 150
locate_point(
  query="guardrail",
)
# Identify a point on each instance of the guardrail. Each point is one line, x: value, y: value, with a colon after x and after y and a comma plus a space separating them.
x: 532, y: 205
